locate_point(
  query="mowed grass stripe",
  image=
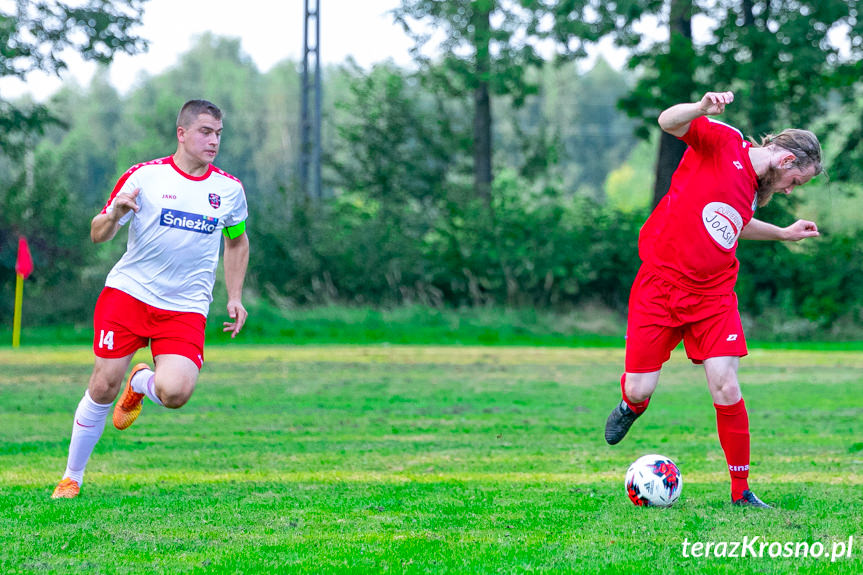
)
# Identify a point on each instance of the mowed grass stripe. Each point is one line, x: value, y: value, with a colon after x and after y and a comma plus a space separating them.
x: 19, y: 479
x: 416, y: 354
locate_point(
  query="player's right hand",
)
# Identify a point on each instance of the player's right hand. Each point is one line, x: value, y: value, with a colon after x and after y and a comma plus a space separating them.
x: 124, y: 202
x: 714, y: 102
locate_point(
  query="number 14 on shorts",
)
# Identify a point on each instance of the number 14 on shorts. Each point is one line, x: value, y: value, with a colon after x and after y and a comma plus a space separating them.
x: 106, y: 339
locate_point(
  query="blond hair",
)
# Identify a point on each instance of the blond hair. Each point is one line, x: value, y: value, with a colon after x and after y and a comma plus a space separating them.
x: 805, y: 147
x: 802, y: 143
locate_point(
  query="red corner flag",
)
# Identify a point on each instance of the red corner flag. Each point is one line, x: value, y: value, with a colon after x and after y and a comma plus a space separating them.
x: 24, y: 263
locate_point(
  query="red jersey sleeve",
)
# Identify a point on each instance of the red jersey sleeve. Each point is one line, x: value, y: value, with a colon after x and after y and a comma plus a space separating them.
x: 706, y: 134
x: 122, y: 181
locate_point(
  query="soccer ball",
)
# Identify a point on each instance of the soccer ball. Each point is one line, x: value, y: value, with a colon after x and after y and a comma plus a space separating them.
x: 653, y: 480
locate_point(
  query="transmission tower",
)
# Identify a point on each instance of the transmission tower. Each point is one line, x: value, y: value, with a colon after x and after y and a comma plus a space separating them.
x: 310, y: 121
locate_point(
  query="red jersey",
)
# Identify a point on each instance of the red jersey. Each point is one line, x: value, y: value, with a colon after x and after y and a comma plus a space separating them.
x: 691, y: 237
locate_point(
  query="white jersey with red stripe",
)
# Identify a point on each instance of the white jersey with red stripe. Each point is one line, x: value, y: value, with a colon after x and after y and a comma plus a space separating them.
x: 174, y: 239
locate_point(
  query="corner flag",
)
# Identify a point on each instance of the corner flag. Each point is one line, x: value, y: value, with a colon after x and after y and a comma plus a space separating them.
x: 23, y: 263
x: 23, y: 269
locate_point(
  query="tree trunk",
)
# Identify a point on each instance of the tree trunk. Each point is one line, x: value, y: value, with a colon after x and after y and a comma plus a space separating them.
x: 482, y: 150
x: 670, y: 152
x: 681, y: 85
x: 761, y: 101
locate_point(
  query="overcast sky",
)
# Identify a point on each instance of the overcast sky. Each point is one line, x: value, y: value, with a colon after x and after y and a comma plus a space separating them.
x: 270, y: 31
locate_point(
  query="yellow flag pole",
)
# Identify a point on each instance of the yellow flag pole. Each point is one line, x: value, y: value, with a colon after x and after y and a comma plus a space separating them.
x: 16, y: 322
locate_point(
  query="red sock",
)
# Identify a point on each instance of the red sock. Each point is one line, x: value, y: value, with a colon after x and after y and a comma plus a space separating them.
x: 732, y: 423
x: 637, y: 408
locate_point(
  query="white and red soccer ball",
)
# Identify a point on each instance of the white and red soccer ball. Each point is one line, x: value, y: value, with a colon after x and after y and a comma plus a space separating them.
x: 653, y: 480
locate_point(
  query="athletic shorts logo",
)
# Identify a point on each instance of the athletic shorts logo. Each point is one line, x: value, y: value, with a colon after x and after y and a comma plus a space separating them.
x: 215, y: 201
x: 187, y: 221
x: 723, y: 223
x: 732, y: 337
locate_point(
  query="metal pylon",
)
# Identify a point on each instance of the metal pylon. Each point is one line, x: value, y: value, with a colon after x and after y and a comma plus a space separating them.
x: 310, y: 121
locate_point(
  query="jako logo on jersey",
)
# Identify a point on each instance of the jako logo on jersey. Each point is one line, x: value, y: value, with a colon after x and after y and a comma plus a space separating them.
x: 169, y: 197
x: 723, y: 223
x: 215, y: 201
x: 187, y: 221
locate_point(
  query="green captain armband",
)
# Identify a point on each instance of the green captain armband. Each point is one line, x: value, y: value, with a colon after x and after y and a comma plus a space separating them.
x: 236, y: 231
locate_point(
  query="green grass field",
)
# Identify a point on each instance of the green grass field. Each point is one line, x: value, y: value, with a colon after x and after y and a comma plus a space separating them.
x: 422, y: 459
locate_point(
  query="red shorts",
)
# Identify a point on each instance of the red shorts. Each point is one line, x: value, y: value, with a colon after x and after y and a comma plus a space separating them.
x: 661, y: 314
x: 122, y: 325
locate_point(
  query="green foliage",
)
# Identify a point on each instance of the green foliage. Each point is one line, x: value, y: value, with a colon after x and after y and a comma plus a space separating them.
x: 628, y: 188
x: 277, y: 147
x: 490, y: 48
x: 39, y: 35
x: 667, y: 70
x: 500, y: 58
x: 20, y: 123
x: 597, y: 136
x: 782, y: 62
x: 570, y: 134
x: 818, y: 281
x: 417, y: 325
x: 538, y: 246
x: 781, y: 59
x: 399, y: 224
x: 395, y: 151
x: 846, y: 129
x: 47, y: 191
x: 35, y: 35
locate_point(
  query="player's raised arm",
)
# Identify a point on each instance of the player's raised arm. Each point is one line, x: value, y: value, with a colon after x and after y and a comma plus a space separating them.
x: 105, y: 226
x: 676, y: 119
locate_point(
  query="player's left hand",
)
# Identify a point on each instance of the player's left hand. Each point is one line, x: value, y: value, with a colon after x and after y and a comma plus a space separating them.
x: 238, y: 314
x: 801, y: 229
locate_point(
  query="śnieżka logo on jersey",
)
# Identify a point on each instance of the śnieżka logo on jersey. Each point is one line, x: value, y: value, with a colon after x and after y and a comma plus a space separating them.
x: 186, y: 221
x: 723, y: 223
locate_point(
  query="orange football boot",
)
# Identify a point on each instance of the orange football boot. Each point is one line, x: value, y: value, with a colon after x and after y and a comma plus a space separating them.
x: 129, y: 405
x: 66, y: 489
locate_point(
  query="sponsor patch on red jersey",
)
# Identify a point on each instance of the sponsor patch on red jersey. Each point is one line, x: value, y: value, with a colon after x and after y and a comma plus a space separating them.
x: 723, y: 223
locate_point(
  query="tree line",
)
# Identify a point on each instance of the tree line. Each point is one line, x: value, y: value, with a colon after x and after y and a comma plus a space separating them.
x: 486, y: 176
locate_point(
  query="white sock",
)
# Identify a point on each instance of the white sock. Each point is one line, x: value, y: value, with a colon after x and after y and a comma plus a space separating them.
x: 86, y: 430
x: 145, y: 382
x: 140, y: 380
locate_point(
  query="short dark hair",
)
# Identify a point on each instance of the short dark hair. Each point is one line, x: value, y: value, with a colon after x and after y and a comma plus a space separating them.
x: 194, y: 108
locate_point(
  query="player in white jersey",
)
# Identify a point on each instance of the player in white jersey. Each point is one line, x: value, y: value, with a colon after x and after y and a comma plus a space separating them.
x: 158, y: 294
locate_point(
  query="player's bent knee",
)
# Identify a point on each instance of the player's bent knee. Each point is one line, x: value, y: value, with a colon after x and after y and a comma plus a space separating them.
x: 731, y: 393
x: 175, y: 394
x: 726, y: 390
x: 174, y: 398
x: 174, y: 401
x: 103, y: 390
x: 640, y: 386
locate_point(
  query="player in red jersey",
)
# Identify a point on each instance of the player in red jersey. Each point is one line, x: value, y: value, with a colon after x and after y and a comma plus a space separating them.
x: 685, y: 287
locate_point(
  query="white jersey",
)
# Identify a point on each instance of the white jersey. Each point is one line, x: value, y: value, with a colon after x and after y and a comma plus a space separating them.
x: 174, y: 239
